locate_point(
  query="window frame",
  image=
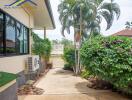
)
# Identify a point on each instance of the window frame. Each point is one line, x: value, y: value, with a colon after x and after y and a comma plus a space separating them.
x: 4, y: 36
x: 2, y: 54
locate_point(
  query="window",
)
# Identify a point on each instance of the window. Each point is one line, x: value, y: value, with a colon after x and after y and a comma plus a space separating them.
x: 25, y: 40
x: 14, y: 39
x: 1, y: 33
x: 19, y: 38
x: 10, y: 36
x: 22, y: 39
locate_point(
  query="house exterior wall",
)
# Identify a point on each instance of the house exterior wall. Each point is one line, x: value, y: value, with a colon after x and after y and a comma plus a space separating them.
x: 21, y: 14
x: 16, y: 64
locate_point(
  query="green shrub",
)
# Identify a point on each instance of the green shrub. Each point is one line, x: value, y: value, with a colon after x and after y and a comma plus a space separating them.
x: 110, y: 59
x: 41, y: 47
x: 69, y: 56
x: 68, y: 67
x: 85, y: 74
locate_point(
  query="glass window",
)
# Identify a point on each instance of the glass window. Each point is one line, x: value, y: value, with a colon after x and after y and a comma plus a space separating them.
x: 25, y: 40
x: 13, y: 36
x: 20, y: 44
x: 1, y: 33
x: 22, y: 39
x: 10, y: 36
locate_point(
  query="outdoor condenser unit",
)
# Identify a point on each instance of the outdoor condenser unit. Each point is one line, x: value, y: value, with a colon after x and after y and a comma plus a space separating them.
x: 33, y: 63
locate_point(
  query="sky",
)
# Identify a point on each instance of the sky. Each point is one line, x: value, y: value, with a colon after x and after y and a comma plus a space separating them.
x: 118, y: 25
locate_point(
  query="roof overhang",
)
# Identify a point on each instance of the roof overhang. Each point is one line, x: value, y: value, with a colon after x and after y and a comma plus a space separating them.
x: 42, y: 14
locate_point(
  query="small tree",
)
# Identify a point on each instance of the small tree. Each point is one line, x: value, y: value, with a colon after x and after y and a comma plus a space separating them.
x: 85, y: 17
x: 41, y: 47
x: 69, y: 57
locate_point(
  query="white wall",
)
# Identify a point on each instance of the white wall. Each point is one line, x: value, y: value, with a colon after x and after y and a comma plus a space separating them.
x: 12, y: 64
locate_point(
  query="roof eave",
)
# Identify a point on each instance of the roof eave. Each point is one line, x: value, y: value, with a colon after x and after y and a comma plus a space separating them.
x: 48, y: 5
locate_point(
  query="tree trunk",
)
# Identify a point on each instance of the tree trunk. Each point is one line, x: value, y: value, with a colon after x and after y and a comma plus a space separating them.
x: 74, y: 68
x: 79, y: 63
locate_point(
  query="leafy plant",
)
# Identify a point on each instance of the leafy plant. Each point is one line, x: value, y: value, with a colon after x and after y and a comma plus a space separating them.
x: 85, y: 74
x: 88, y: 14
x: 66, y: 42
x: 41, y: 47
x: 68, y: 67
x: 128, y: 25
x: 110, y: 59
x: 69, y: 57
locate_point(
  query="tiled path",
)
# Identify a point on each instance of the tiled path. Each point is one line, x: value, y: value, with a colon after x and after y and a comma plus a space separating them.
x: 63, y: 85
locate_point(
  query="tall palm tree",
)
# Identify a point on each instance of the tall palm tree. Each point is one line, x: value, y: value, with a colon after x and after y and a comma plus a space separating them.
x: 93, y: 11
x: 85, y: 16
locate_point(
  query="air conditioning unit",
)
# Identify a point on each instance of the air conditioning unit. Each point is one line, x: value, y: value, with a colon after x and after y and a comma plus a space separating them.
x: 33, y: 63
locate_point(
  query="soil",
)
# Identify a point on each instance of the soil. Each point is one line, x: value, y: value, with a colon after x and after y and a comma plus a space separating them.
x: 30, y: 90
x: 96, y: 83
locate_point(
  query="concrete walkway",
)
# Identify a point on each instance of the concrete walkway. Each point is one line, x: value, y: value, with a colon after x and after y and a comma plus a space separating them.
x: 63, y: 85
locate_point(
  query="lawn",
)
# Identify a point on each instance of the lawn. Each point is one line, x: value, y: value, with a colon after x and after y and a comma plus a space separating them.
x: 6, y: 78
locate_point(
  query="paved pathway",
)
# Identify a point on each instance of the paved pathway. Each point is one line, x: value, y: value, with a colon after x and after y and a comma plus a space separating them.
x: 63, y: 85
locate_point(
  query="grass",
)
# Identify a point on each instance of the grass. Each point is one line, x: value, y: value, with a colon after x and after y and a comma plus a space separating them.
x: 6, y: 78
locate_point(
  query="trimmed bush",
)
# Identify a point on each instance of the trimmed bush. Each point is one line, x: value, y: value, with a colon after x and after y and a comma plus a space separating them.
x: 110, y: 59
x: 68, y: 67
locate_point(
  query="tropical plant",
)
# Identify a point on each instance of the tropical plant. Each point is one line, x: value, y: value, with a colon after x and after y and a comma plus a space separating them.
x: 128, y: 25
x: 88, y: 13
x: 85, y: 17
x: 69, y: 57
x: 41, y: 47
x: 85, y: 74
x: 109, y: 59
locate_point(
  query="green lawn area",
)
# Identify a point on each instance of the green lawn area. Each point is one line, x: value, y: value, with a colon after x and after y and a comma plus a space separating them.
x: 6, y: 78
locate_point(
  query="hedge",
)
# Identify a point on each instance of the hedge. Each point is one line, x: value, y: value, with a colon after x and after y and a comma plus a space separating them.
x: 109, y: 58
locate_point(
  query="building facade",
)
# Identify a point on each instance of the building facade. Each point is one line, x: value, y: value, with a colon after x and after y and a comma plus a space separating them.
x: 16, y: 25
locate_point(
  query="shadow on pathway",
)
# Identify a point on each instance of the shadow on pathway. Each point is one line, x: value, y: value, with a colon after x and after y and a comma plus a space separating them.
x: 63, y: 85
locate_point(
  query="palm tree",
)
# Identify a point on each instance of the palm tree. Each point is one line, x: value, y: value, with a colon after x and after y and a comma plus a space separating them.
x: 128, y: 25
x: 93, y: 11
x: 85, y: 16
